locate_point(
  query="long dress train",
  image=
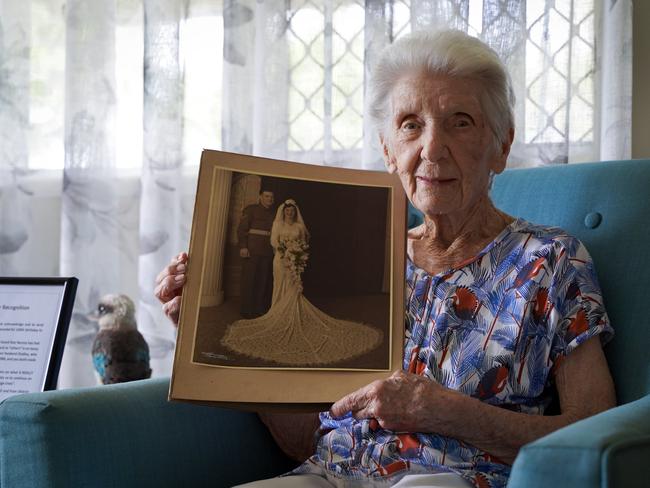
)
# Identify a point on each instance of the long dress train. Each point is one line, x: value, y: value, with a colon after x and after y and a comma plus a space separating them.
x: 294, y: 332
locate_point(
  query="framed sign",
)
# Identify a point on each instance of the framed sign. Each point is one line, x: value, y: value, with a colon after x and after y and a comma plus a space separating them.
x: 295, y: 283
x: 34, y: 318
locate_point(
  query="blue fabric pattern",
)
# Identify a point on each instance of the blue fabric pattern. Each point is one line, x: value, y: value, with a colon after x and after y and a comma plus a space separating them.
x: 494, y: 328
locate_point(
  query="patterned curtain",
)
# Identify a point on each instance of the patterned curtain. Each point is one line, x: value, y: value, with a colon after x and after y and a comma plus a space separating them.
x: 14, y: 134
x: 160, y: 201
x: 90, y: 223
x: 105, y: 107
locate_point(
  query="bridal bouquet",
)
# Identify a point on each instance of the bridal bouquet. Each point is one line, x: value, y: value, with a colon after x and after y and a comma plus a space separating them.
x: 294, y: 253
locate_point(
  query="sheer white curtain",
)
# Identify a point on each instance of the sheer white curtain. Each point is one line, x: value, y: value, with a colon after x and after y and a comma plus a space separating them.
x: 299, y: 69
x: 93, y: 156
x: 105, y: 106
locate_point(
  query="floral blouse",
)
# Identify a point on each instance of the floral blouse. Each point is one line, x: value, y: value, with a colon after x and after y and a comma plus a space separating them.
x: 494, y: 328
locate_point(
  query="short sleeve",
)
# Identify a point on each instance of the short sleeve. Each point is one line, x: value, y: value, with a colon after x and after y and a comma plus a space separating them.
x: 578, y: 301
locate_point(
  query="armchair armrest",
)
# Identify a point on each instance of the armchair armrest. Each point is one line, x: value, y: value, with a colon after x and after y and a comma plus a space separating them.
x: 610, y: 449
x: 129, y: 435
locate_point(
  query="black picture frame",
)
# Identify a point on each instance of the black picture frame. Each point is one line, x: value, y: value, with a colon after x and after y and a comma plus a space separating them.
x: 68, y: 289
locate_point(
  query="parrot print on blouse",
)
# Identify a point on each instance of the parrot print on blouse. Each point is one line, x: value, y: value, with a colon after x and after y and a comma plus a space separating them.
x: 492, y: 328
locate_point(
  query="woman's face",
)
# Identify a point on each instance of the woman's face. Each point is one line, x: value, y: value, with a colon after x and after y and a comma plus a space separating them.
x: 439, y: 143
x: 289, y: 214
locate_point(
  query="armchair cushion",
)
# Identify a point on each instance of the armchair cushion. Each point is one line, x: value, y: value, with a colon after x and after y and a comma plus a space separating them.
x: 610, y: 449
x: 129, y: 435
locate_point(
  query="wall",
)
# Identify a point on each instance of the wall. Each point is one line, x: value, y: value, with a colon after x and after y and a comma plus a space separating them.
x: 641, y: 80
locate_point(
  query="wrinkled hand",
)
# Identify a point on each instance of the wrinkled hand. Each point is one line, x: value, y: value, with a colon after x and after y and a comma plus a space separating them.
x: 244, y: 252
x: 169, y: 286
x: 403, y: 402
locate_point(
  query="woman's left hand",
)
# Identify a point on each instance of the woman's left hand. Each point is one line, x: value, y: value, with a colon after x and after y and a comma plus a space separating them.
x: 403, y: 402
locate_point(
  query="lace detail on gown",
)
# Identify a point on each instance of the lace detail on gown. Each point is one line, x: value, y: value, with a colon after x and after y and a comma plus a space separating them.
x: 294, y: 332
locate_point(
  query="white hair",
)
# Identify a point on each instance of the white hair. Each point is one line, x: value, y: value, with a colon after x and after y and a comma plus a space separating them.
x: 447, y: 52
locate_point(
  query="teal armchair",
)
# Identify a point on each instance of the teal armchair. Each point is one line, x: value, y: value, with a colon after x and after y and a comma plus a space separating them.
x: 607, y: 206
x: 129, y: 435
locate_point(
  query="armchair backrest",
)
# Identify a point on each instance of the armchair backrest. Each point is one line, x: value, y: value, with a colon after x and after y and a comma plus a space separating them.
x: 607, y: 206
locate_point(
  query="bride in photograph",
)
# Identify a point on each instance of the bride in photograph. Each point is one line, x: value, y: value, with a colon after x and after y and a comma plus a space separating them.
x: 294, y: 332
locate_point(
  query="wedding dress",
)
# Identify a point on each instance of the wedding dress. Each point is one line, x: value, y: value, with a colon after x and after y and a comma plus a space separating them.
x: 294, y: 332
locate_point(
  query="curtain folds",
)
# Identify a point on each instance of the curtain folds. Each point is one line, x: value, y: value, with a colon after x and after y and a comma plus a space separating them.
x: 615, y: 70
x: 256, y: 77
x: 89, y: 215
x: 15, y: 218
x: 101, y: 126
x: 161, y: 180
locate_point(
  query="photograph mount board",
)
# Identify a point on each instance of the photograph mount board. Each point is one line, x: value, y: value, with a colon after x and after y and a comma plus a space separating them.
x: 295, y: 283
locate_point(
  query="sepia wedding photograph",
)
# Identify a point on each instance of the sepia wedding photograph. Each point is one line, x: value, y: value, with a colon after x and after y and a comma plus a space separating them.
x: 294, y: 275
x: 305, y: 277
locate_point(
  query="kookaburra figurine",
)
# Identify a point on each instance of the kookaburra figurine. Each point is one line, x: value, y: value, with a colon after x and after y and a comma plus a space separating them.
x: 120, y: 353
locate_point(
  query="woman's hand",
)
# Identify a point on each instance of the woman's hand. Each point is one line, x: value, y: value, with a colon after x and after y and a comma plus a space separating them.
x: 404, y: 402
x: 169, y: 286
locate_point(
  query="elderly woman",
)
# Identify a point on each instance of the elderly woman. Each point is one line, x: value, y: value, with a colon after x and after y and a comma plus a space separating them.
x: 502, y: 315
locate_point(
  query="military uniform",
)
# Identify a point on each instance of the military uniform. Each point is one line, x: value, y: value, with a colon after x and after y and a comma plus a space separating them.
x: 254, y: 234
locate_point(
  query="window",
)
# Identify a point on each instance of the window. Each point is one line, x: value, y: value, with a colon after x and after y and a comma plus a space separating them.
x: 553, y: 65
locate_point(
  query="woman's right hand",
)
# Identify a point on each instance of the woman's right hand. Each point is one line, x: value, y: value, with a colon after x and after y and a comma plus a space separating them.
x: 169, y: 286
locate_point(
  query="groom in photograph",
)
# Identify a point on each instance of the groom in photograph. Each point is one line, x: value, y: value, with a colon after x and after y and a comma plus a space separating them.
x: 254, y: 239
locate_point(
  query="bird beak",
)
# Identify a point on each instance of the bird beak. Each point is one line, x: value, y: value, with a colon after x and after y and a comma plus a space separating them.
x: 93, y: 316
